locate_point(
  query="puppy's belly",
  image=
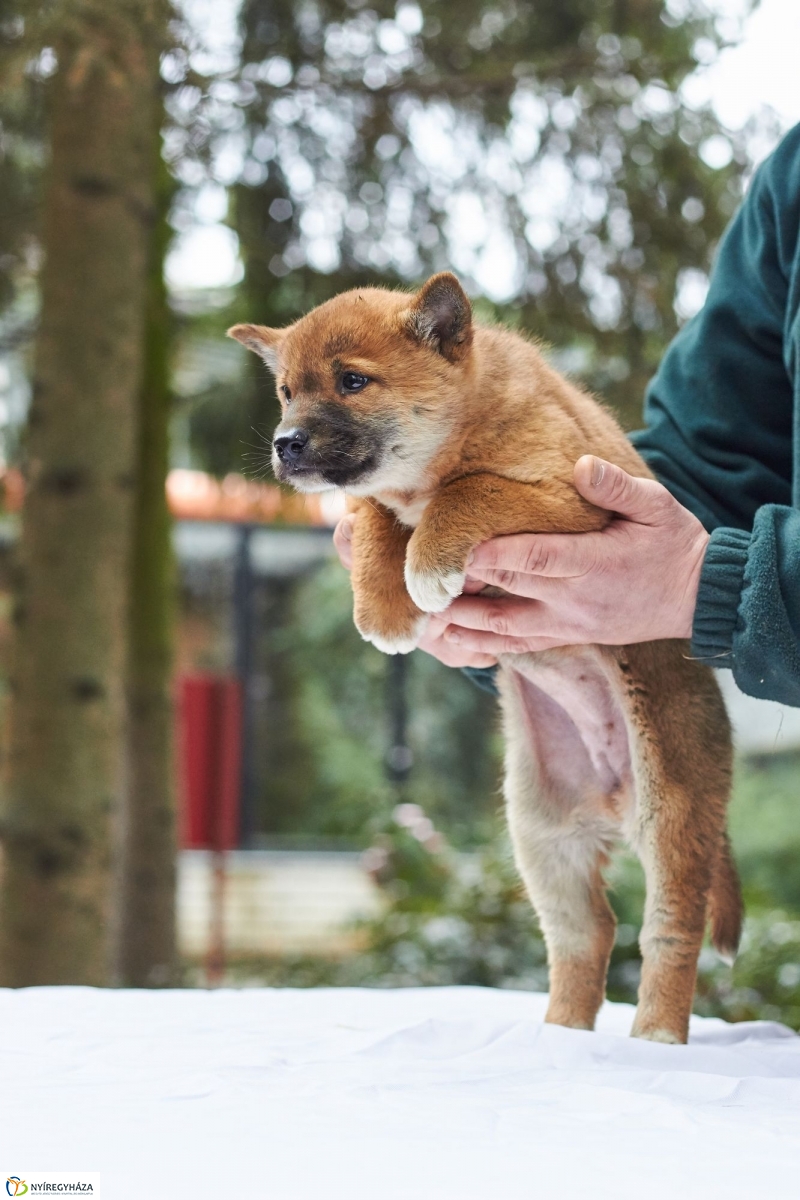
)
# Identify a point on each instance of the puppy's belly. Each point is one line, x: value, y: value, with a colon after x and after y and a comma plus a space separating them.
x: 576, y: 725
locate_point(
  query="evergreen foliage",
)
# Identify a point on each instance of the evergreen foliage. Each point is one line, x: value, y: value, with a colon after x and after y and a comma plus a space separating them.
x: 379, y: 143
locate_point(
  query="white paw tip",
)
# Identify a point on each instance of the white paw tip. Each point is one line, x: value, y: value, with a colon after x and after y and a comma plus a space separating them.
x: 660, y: 1035
x: 397, y: 645
x: 434, y: 592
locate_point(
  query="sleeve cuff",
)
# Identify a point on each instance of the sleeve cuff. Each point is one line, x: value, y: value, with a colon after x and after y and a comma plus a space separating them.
x: 482, y: 677
x: 719, y: 596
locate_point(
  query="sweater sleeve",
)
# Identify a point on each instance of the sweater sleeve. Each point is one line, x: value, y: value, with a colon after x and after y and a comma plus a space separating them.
x: 720, y: 436
x: 482, y: 677
x: 748, y: 609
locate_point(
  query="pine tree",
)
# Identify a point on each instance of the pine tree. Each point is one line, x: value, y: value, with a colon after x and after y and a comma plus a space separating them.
x: 64, y: 777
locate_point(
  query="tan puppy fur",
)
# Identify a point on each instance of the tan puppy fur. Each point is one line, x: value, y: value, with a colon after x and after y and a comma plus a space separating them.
x: 452, y: 433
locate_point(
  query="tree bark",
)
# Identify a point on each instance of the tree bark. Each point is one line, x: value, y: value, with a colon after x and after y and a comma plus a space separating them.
x: 145, y: 951
x: 67, y: 698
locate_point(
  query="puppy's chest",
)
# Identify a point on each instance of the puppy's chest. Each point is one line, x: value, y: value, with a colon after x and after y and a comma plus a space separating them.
x: 408, y: 506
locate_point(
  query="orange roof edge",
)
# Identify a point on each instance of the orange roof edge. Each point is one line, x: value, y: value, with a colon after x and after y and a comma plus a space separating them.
x: 197, y: 496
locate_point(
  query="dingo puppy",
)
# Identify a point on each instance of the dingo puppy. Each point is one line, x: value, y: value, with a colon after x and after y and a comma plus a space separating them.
x: 457, y: 433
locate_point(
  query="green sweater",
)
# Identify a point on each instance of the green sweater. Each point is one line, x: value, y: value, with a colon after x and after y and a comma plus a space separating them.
x: 723, y: 434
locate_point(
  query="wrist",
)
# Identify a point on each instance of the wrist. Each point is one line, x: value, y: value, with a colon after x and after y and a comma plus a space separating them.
x: 691, y: 589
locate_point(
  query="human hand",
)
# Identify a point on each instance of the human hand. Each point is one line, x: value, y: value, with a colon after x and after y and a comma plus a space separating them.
x: 432, y: 641
x: 634, y: 581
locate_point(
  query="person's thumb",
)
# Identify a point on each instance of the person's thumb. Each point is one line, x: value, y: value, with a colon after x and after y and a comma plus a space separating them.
x: 608, y: 486
x: 343, y: 540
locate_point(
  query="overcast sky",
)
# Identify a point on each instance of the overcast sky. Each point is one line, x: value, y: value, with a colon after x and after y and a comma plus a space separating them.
x: 761, y: 70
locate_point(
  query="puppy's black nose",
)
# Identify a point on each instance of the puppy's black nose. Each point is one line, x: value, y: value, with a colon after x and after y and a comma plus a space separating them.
x: 289, y: 447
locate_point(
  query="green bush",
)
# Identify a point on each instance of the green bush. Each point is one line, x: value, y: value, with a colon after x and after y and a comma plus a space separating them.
x: 453, y: 918
x: 475, y: 925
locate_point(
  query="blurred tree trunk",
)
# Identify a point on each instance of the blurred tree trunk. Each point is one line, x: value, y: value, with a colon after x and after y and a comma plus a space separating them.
x: 67, y: 697
x: 145, y: 952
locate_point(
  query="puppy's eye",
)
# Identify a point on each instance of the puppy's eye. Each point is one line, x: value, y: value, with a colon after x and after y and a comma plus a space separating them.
x: 353, y: 382
x: 287, y: 395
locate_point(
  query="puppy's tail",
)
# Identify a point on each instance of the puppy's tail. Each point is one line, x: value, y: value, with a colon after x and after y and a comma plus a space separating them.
x: 725, y: 904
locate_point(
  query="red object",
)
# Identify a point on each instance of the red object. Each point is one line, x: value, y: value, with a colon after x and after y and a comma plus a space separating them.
x: 210, y: 715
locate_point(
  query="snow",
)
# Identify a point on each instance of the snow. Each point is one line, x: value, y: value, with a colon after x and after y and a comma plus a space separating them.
x: 422, y: 1093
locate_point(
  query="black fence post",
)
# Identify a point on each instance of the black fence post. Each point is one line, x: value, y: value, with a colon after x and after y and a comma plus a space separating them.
x: 399, y: 757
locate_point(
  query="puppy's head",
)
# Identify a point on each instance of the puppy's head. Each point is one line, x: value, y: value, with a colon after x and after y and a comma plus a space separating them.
x: 370, y: 384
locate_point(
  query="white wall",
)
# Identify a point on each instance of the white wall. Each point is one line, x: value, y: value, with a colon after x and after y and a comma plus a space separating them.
x: 275, y: 902
x: 760, y: 726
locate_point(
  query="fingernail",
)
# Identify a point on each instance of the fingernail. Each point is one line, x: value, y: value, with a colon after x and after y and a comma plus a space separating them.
x: 470, y: 558
x: 346, y: 530
x: 453, y: 635
x: 598, y: 471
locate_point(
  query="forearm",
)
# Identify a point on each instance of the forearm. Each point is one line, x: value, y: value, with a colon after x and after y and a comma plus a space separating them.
x: 719, y: 412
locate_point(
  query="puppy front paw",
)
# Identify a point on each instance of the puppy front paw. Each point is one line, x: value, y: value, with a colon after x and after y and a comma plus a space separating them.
x: 394, y: 642
x: 433, y: 590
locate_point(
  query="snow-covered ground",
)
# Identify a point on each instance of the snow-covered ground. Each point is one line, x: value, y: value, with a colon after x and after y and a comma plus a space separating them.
x: 423, y: 1094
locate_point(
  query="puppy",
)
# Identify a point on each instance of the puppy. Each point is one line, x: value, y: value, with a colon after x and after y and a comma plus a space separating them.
x: 452, y: 433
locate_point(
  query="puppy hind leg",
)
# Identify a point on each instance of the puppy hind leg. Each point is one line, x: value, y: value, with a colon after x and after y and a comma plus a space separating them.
x: 681, y: 750
x: 578, y: 926
x: 672, y: 934
x: 558, y: 848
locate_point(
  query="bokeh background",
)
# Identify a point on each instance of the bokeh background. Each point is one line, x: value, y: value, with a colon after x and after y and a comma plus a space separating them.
x: 208, y: 776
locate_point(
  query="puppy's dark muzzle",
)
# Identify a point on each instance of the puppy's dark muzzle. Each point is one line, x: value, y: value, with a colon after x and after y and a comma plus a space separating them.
x: 290, y: 447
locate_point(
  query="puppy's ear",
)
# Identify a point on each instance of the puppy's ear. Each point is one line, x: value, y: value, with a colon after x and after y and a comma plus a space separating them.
x: 262, y: 341
x: 441, y: 316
